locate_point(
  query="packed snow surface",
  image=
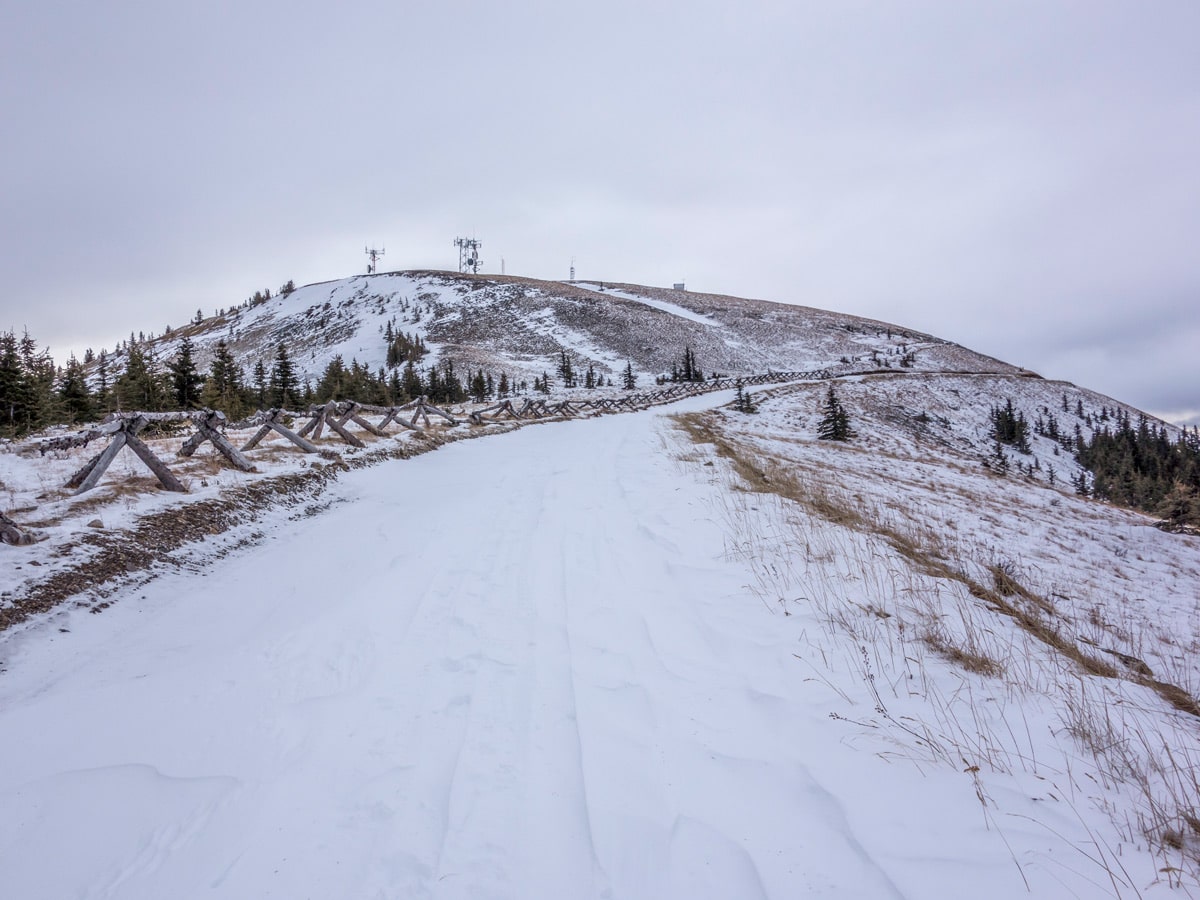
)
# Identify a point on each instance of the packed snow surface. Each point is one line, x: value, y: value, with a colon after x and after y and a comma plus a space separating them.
x: 527, y: 666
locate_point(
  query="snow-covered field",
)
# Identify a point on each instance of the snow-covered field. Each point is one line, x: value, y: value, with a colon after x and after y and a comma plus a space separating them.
x: 590, y: 659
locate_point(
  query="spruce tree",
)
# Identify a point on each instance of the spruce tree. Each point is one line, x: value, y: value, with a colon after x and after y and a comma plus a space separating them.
x: 259, y: 395
x: 13, y: 389
x: 186, y: 382
x: 284, y: 383
x: 334, y: 383
x: 223, y: 387
x: 566, y: 370
x: 74, y: 397
x: 478, y: 387
x: 628, y: 379
x: 835, y: 423
x: 413, y: 388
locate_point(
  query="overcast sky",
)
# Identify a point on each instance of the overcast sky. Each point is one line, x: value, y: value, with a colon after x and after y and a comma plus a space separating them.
x: 1020, y: 177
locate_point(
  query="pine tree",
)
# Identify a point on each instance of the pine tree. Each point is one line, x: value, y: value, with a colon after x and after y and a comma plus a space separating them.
x: 223, y: 387
x: 835, y: 423
x: 284, y: 383
x: 628, y: 379
x: 998, y: 460
x: 102, y: 393
x: 566, y: 371
x: 334, y: 382
x: 689, y: 371
x: 259, y: 395
x: 74, y: 397
x: 140, y: 387
x: 38, y: 376
x: 744, y: 402
x: 478, y: 387
x: 1010, y: 427
x: 503, y: 389
x: 413, y: 388
x: 186, y: 381
x: 14, y: 390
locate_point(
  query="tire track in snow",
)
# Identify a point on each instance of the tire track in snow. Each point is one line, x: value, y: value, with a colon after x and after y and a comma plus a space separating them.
x: 560, y: 699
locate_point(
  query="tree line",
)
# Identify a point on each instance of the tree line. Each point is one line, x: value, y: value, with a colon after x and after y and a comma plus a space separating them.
x: 34, y: 392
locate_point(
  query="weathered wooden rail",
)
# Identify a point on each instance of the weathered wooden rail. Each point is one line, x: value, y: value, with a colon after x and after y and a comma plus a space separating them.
x: 540, y: 409
x: 122, y: 430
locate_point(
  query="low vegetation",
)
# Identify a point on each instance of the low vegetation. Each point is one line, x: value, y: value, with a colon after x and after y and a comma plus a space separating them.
x: 896, y: 590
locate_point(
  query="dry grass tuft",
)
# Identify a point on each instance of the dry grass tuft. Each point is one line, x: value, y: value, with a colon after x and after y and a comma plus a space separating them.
x: 894, y: 613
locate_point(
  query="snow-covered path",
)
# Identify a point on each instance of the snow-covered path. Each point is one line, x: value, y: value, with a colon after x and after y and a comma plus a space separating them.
x: 519, y: 667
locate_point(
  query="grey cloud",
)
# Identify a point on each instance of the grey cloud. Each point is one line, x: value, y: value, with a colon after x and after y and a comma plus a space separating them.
x: 1019, y: 177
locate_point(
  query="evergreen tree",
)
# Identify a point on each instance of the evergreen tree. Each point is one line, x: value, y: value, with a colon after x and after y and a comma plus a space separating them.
x: 259, y: 395
x: 566, y: 370
x: 1010, y: 427
x: 628, y: 379
x: 38, y: 376
x: 284, y: 384
x: 998, y: 460
x: 835, y: 423
x: 223, y: 387
x: 74, y: 397
x: 334, y: 383
x: 744, y: 402
x: 140, y: 387
x: 14, y: 389
x: 479, y: 387
x: 186, y: 381
x: 413, y: 388
x: 689, y: 370
x: 102, y: 393
x: 503, y: 389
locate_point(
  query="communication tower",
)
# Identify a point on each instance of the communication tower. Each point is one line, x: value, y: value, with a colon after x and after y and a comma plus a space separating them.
x: 468, y: 254
x: 374, y: 255
x: 572, y: 268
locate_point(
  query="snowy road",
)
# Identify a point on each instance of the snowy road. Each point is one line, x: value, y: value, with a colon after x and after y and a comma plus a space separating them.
x: 519, y: 667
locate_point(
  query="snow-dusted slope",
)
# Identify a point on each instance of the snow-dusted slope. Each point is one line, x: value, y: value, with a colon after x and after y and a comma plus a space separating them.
x: 520, y: 326
x: 534, y: 665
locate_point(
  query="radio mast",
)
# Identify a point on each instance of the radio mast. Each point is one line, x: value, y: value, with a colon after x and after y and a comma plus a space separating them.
x: 468, y: 254
x: 374, y: 257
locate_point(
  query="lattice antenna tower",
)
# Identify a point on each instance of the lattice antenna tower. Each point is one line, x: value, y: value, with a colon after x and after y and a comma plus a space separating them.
x: 373, y: 255
x: 468, y: 254
x: 572, y: 268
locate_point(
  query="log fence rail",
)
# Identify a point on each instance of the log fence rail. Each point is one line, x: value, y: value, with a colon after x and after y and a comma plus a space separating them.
x: 124, y: 429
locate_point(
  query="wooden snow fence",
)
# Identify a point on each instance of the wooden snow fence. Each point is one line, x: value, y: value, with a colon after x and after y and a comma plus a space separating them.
x: 273, y: 420
x: 420, y: 410
x: 542, y: 409
x: 337, y: 416
x: 123, y: 429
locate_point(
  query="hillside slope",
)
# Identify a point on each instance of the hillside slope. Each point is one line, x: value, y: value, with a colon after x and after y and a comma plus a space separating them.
x: 520, y: 325
x: 638, y: 675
